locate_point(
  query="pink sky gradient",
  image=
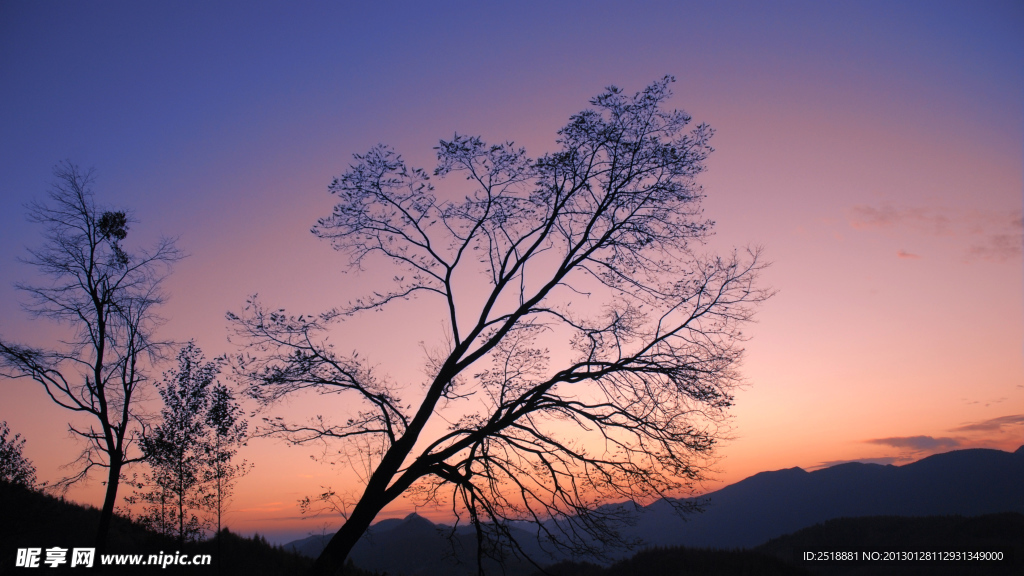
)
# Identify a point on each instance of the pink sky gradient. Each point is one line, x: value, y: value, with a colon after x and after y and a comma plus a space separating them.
x: 875, y: 151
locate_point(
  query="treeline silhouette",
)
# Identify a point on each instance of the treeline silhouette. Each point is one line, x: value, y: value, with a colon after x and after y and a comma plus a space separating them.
x: 31, y: 519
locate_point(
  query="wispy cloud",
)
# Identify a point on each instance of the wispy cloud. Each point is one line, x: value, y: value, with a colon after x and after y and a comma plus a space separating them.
x: 989, y: 235
x: 882, y: 461
x: 991, y: 425
x: 863, y: 217
x: 917, y: 443
x: 266, y: 507
x: 997, y: 247
x: 992, y: 433
x: 289, y: 519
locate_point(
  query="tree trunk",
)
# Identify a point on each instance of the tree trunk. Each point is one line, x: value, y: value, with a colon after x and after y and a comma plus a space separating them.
x: 107, y: 513
x: 181, y: 513
x: 220, y: 478
x: 332, y: 559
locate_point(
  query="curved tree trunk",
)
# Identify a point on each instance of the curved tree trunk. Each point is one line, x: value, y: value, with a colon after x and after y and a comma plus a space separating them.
x: 332, y: 559
x: 107, y: 513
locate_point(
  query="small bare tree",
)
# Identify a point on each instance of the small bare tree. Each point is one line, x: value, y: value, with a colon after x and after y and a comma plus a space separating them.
x: 107, y: 296
x: 590, y: 249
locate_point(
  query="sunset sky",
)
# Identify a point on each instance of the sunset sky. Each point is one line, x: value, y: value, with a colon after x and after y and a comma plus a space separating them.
x: 874, y: 149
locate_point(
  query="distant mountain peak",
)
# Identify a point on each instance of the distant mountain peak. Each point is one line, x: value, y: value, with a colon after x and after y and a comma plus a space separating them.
x: 785, y: 473
x: 414, y: 523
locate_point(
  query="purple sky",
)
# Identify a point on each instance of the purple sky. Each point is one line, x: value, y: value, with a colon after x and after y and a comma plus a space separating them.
x: 873, y: 148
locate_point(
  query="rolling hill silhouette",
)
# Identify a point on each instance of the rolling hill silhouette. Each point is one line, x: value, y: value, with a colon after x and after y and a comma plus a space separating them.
x: 770, y: 504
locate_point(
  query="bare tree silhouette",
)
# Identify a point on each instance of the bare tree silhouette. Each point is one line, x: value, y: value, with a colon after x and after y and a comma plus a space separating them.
x: 107, y: 296
x: 590, y: 247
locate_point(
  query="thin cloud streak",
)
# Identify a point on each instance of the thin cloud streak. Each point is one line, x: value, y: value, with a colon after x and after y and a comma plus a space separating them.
x: 991, y: 236
x: 863, y: 217
x: 917, y: 443
x: 997, y: 248
x: 992, y: 425
x: 884, y: 461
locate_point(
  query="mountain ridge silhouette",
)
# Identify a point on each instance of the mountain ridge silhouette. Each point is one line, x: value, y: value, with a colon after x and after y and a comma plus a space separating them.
x: 967, y: 482
x: 767, y: 505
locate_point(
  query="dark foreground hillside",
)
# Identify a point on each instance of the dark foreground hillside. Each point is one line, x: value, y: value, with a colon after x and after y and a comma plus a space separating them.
x: 949, y: 534
x: 30, y: 519
x: 679, y: 561
x: 785, y: 555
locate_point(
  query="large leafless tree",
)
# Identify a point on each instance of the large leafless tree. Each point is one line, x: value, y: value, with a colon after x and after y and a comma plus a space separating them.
x: 590, y: 349
x: 106, y: 296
